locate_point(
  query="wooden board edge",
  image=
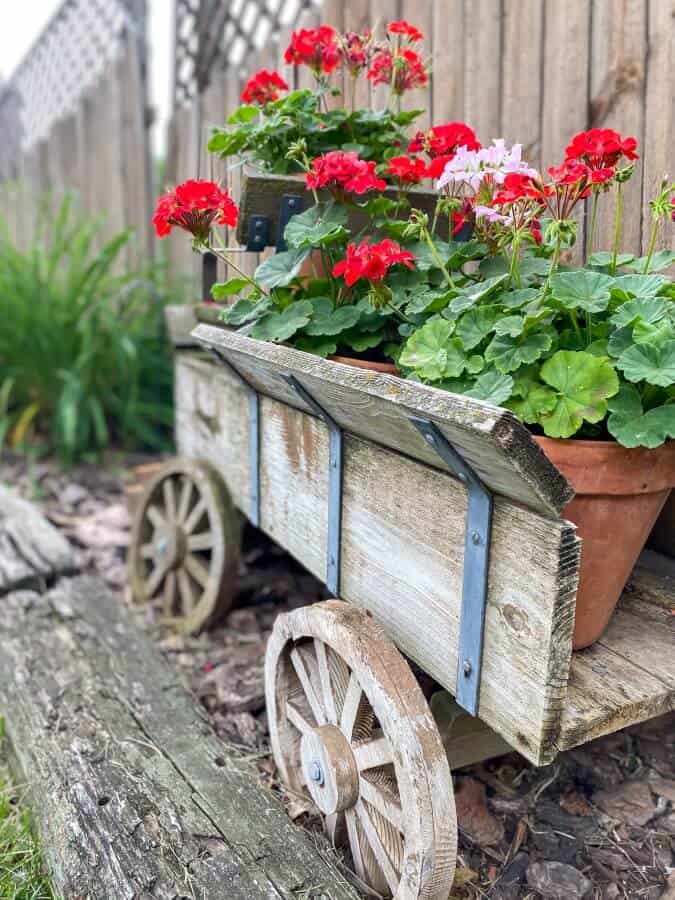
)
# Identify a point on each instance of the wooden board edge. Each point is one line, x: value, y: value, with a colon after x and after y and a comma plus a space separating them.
x: 498, y: 425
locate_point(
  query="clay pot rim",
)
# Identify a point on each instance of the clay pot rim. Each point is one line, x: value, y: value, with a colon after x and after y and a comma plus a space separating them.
x: 355, y: 362
x: 606, y: 467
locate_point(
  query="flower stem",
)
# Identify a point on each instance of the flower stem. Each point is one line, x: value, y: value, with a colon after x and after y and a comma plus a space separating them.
x: 437, y: 259
x: 221, y: 253
x: 514, y: 266
x: 617, y: 227
x: 594, y: 223
x: 652, y: 245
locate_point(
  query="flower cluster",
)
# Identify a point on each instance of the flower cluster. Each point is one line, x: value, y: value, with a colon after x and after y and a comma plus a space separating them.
x: 314, y: 47
x: 406, y: 170
x: 355, y: 51
x: 405, y: 30
x: 343, y: 171
x: 441, y: 142
x: 194, y: 206
x: 475, y: 166
x: 401, y: 69
x: 372, y: 261
x: 264, y: 87
x: 601, y: 148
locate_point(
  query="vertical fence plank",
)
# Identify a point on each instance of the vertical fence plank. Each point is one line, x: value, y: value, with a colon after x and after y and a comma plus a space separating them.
x: 618, y: 57
x: 421, y: 15
x: 381, y: 13
x: 483, y: 55
x: 357, y: 18
x: 658, y: 155
x: 449, y: 62
x: 521, y: 76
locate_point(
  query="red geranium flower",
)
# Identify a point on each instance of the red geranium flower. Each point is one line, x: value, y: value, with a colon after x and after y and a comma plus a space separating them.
x: 264, y: 87
x: 601, y: 148
x: 355, y: 50
x: 410, y: 70
x: 372, y: 261
x: 570, y: 172
x: 406, y: 169
x: 406, y: 29
x: 437, y: 165
x: 194, y: 206
x: 518, y: 187
x: 344, y: 171
x: 463, y: 216
x: 444, y: 140
x: 314, y: 47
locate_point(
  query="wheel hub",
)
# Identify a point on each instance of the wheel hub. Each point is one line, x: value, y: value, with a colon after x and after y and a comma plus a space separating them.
x: 330, y: 770
x: 170, y: 547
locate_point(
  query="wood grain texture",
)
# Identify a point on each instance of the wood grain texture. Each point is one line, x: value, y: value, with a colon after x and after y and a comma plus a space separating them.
x: 402, y: 548
x: 629, y: 674
x: 521, y: 75
x: 133, y: 794
x: 482, y: 54
x: 180, y: 320
x: 32, y: 551
x: 377, y: 407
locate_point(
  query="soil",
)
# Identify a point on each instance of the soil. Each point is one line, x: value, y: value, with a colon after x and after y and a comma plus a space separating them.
x: 598, y: 823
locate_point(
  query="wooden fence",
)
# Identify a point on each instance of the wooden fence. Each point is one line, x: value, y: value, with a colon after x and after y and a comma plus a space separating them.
x: 79, y: 105
x: 534, y: 71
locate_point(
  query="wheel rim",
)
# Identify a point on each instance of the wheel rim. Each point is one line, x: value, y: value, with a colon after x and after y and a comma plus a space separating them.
x: 184, y: 547
x: 350, y: 726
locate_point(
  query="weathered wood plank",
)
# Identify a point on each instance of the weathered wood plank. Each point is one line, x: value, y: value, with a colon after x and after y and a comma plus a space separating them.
x: 377, y: 407
x: 133, y: 793
x: 402, y: 548
x: 629, y: 674
x: 482, y: 58
x: 180, y: 321
x: 521, y: 76
x: 31, y: 549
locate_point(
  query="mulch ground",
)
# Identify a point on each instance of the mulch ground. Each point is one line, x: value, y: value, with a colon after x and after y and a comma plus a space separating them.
x: 598, y: 823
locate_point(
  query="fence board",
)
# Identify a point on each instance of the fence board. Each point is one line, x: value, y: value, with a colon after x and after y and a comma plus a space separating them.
x: 521, y: 75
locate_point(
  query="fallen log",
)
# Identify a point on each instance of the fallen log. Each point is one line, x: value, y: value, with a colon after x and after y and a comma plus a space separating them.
x: 133, y: 794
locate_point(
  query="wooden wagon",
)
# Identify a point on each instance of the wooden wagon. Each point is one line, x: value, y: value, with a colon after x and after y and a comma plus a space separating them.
x: 436, y: 520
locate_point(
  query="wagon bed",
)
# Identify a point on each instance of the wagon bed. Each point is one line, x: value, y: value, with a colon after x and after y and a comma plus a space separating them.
x: 403, y: 531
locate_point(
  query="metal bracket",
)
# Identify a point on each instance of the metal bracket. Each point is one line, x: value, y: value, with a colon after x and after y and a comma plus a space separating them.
x: 476, y: 561
x: 291, y: 205
x: 334, y: 539
x: 258, y: 233
x: 253, y: 437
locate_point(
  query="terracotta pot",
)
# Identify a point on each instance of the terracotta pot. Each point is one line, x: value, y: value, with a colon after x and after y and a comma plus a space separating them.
x: 387, y: 368
x: 619, y: 495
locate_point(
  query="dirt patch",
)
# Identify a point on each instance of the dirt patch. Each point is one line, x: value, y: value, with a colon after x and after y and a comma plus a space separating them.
x: 598, y: 823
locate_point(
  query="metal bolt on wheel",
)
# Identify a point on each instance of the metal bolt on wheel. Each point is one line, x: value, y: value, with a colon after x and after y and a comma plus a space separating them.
x: 184, y: 549
x: 350, y: 726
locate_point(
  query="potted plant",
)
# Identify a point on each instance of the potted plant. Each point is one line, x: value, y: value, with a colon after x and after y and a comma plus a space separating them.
x: 583, y: 354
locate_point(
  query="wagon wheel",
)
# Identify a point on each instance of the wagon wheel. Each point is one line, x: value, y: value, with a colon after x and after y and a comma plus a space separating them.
x: 185, y: 545
x: 349, y: 724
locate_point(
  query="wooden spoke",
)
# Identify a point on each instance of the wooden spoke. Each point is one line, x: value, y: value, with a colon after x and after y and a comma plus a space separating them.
x: 200, y: 542
x: 381, y: 855
x: 187, y: 594
x: 197, y: 569
x: 170, y: 588
x: 372, y: 754
x: 386, y: 806
x: 350, y: 707
x: 331, y: 675
x: 296, y: 718
x: 169, y: 492
x: 184, y: 502
x: 308, y: 687
x: 185, y: 544
x: 156, y: 517
x: 324, y: 676
x: 195, y: 516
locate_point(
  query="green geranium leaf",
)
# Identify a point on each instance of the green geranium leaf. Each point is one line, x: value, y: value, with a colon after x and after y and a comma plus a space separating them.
x: 582, y: 289
x: 620, y: 340
x: 660, y: 260
x: 537, y: 402
x: 470, y: 296
x: 655, y: 365
x: 281, y: 268
x: 657, y: 334
x: 632, y: 427
x: 244, y: 311
x: 227, y: 143
x: 243, y: 115
x: 642, y: 286
x: 516, y: 299
x: 319, y: 346
x: 229, y: 288
x: 583, y: 383
x: 604, y: 259
x: 326, y: 320
x: 428, y: 301
x: 359, y: 341
x: 511, y: 325
x: 492, y: 386
x: 434, y: 354
x: 280, y: 326
x: 645, y: 309
x: 318, y: 226
x: 379, y: 207
x: 509, y: 353
x: 476, y: 324
x: 533, y: 268
x: 424, y: 258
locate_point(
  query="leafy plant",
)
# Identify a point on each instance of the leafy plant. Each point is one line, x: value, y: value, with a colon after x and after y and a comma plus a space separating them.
x: 83, y: 363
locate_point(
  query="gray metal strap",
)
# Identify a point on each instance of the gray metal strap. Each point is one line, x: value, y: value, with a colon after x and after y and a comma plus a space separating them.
x: 253, y: 437
x: 334, y: 538
x: 476, y: 562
